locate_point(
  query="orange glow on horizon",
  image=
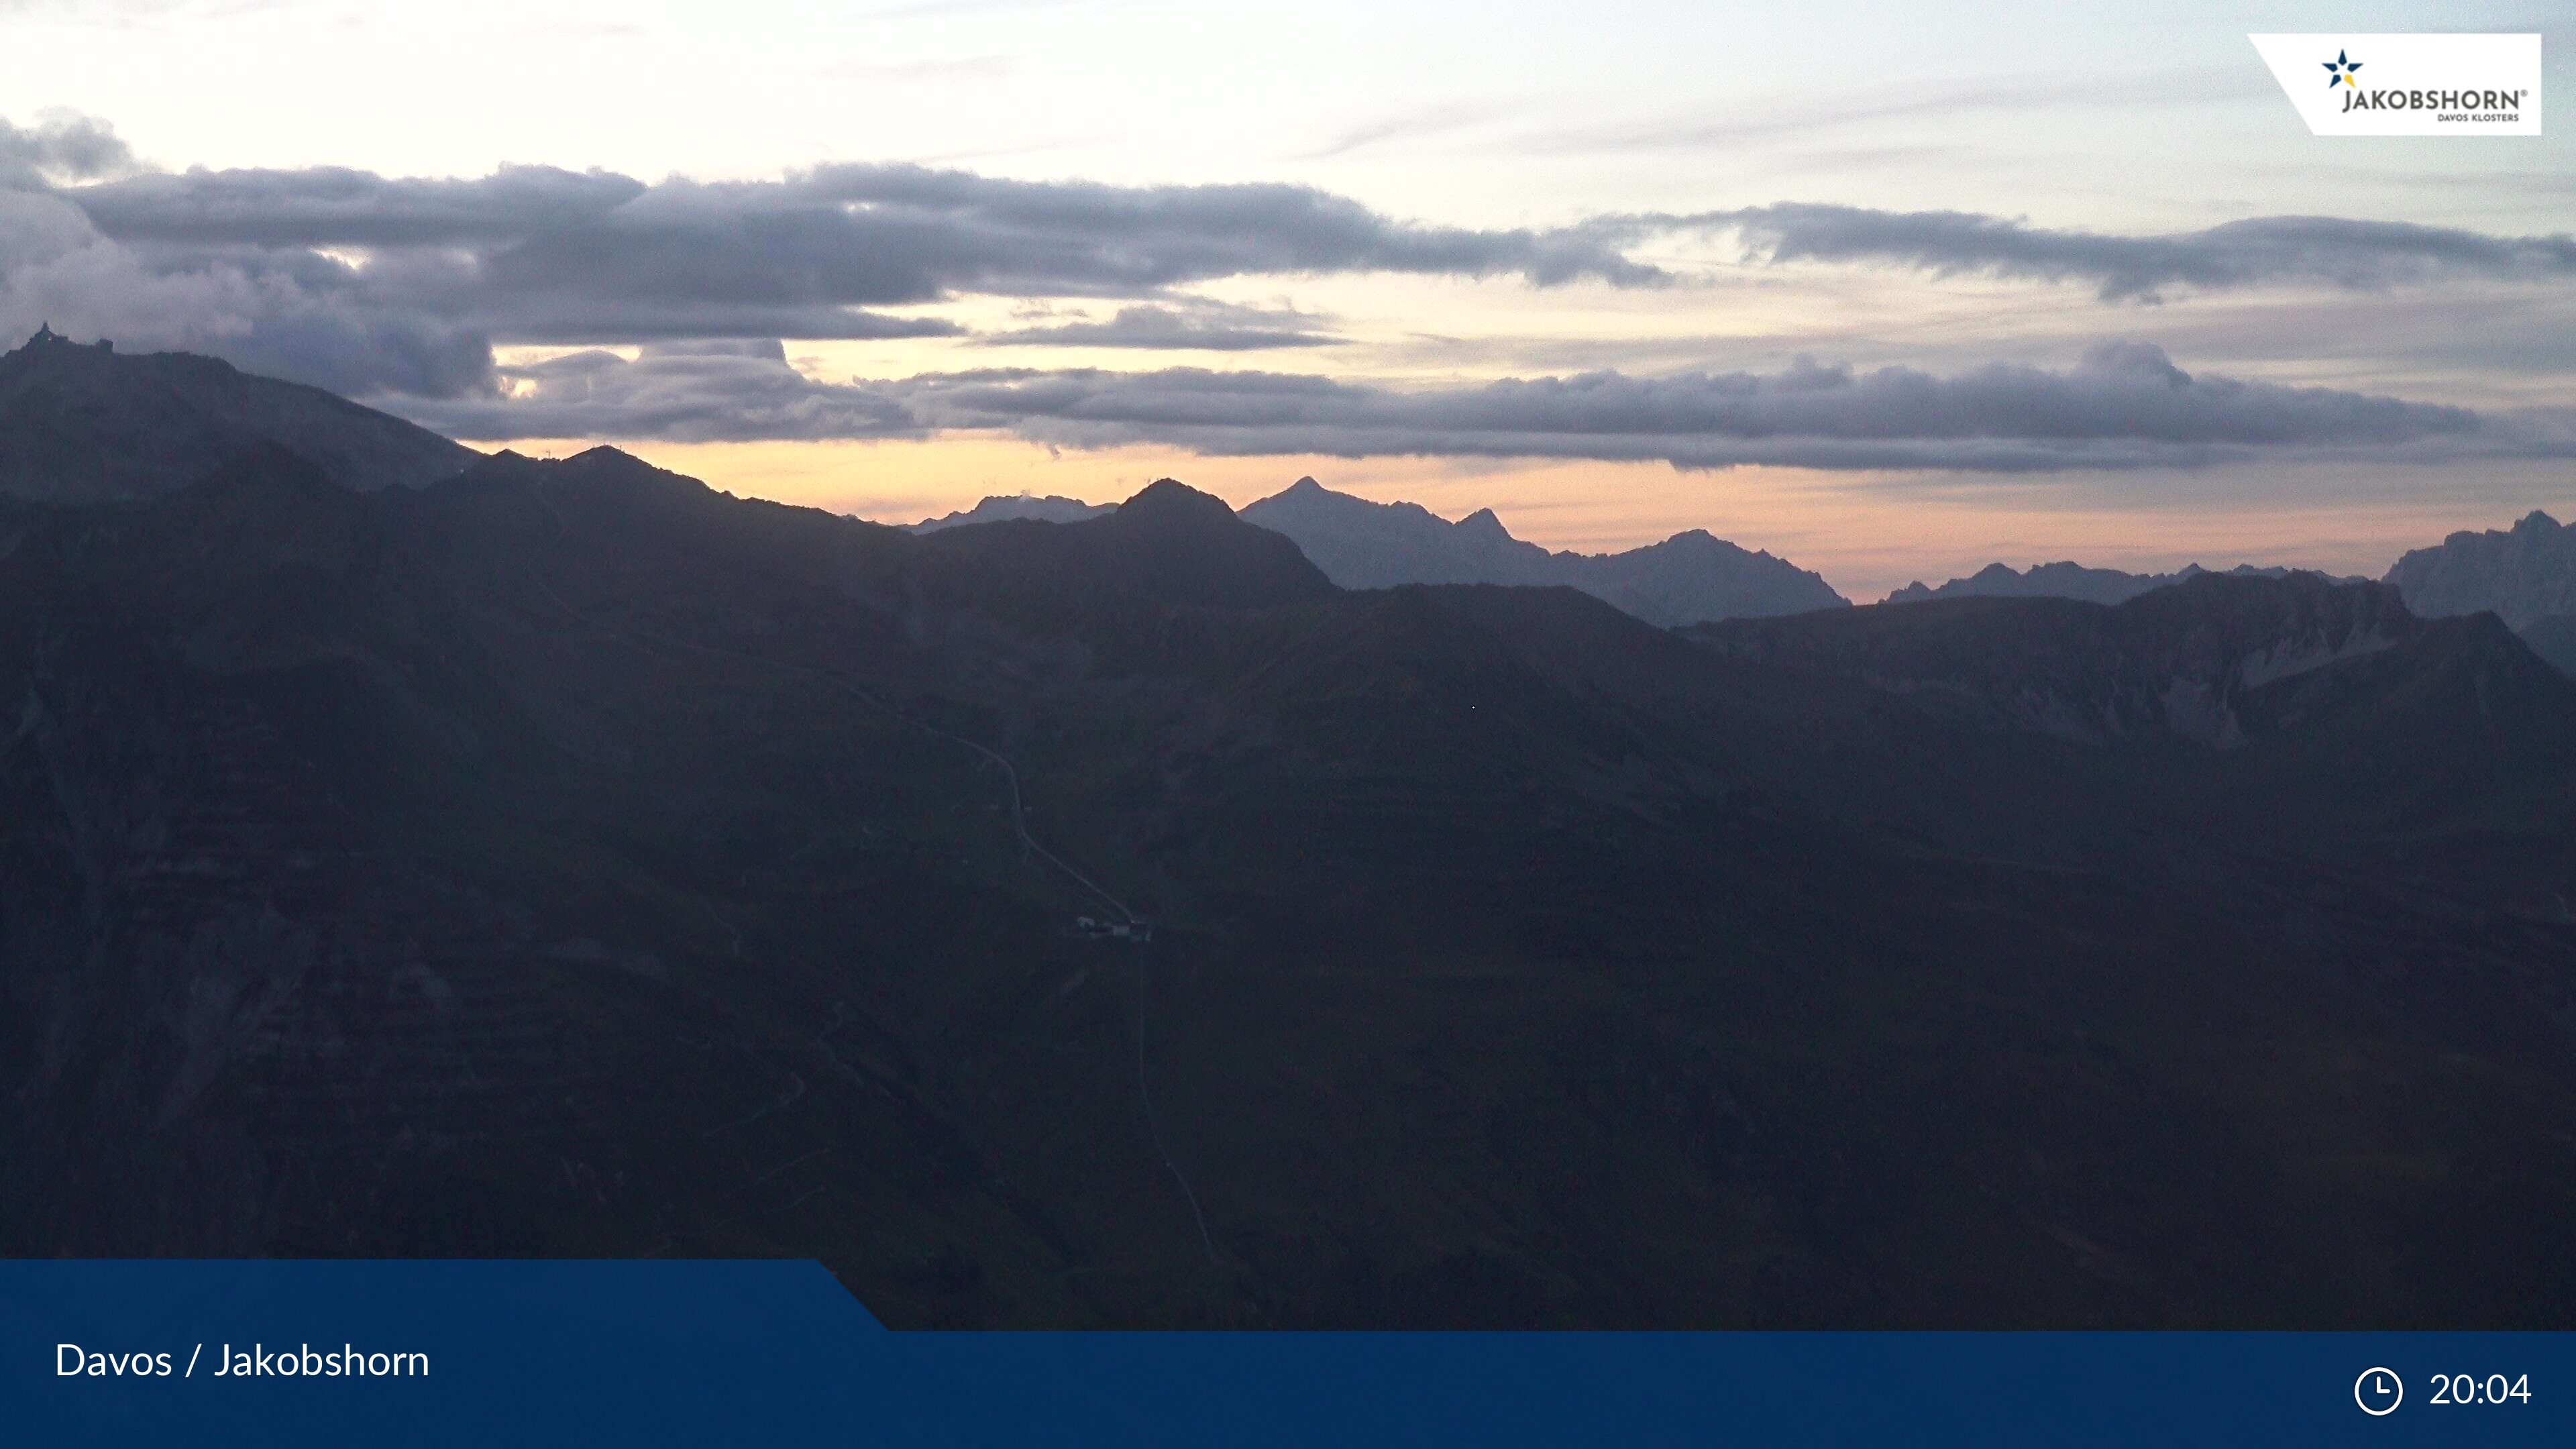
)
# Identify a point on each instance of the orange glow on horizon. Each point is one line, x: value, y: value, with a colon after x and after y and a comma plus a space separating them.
x: 1867, y: 533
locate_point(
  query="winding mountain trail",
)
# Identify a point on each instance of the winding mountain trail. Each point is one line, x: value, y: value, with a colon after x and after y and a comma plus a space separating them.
x: 1010, y: 771
x: 1019, y: 827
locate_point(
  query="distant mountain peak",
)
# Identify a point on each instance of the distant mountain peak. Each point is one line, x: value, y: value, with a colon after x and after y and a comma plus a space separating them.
x: 1173, y: 495
x: 993, y: 508
x: 2066, y: 579
x: 1170, y: 541
x: 2523, y: 574
x: 46, y: 337
x: 1689, y: 577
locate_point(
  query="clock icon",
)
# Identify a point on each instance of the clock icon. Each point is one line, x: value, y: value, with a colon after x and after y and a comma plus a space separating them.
x: 2378, y: 1392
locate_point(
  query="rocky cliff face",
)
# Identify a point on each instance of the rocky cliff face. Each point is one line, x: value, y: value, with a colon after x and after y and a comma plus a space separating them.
x: 2522, y: 574
x: 2176, y: 661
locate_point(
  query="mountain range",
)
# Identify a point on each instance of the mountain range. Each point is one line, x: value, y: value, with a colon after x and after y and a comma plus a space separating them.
x: 2064, y: 580
x: 2525, y: 575
x: 1049, y: 509
x: 1360, y: 544
x: 1685, y: 579
x: 88, y: 424
x: 1120, y: 922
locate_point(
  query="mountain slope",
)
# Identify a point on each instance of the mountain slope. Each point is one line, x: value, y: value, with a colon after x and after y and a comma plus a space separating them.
x: 1516, y: 962
x: 1170, y: 542
x: 2522, y: 575
x: 1050, y: 509
x: 2304, y: 719
x: 2064, y: 580
x: 2173, y: 661
x: 2554, y: 639
x: 1685, y: 579
x: 86, y: 424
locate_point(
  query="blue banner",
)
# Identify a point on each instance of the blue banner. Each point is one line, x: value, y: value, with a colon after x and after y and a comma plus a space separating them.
x: 292, y: 1353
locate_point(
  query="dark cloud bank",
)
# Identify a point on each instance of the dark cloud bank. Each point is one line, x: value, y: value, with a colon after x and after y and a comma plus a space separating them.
x: 397, y: 289
x: 2258, y: 251
x: 2125, y: 405
x: 371, y: 284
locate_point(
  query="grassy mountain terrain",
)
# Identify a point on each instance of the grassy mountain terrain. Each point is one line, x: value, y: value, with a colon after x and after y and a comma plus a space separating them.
x: 569, y: 858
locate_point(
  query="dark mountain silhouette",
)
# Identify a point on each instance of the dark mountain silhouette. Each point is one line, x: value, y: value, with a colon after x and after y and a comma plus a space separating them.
x: 1170, y: 542
x: 2524, y: 574
x: 87, y: 424
x: 1686, y: 578
x: 2064, y: 580
x: 2174, y: 661
x: 2302, y: 718
x: 2553, y: 639
x: 1050, y: 508
x: 568, y: 858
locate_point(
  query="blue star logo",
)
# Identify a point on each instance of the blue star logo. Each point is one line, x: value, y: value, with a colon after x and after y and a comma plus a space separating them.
x: 2339, y: 72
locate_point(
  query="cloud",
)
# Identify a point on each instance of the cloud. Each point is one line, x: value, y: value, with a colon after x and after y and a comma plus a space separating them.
x: 944, y: 71
x: 292, y: 314
x: 60, y: 147
x: 673, y: 392
x: 379, y: 286
x: 1778, y: 114
x: 370, y: 284
x: 1410, y: 125
x: 1194, y: 324
x: 845, y: 235
x: 2252, y: 252
x: 335, y: 206
x: 2124, y: 405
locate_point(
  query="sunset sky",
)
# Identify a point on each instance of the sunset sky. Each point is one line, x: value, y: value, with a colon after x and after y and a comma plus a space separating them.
x: 1892, y: 295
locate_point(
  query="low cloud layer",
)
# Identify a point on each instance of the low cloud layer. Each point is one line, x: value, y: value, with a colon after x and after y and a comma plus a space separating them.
x: 1195, y: 325
x: 2125, y: 405
x: 2267, y: 250
x: 60, y: 148
x: 398, y: 290
x: 369, y: 284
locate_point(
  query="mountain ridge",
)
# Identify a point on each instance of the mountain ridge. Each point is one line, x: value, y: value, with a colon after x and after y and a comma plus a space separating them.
x: 2067, y: 579
x: 84, y: 423
x: 993, y: 508
x: 1168, y: 541
x: 1690, y: 577
x: 568, y: 858
x: 2524, y: 574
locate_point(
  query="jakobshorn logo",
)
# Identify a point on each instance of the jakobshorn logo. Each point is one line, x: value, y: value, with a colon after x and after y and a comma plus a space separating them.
x: 2418, y: 85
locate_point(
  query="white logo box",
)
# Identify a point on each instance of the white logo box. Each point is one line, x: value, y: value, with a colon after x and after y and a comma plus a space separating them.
x: 2409, y: 85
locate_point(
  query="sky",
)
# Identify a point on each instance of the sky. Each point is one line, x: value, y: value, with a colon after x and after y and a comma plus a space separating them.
x: 1889, y: 293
